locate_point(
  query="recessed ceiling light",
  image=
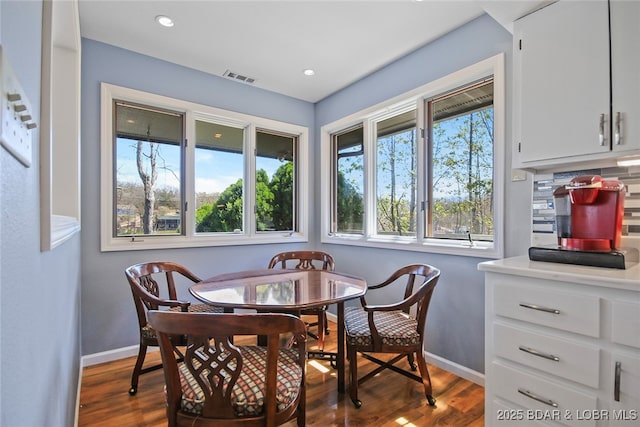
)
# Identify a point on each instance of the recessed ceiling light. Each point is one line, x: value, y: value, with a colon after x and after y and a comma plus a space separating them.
x: 309, y: 72
x: 164, y: 20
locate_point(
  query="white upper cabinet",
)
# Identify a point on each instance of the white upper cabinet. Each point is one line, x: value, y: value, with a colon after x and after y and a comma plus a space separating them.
x: 625, y: 71
x: 565, y: 85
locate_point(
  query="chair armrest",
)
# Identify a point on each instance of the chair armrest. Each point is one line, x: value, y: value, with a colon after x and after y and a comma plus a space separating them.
x: 387, y: 307
x: 184, y: 305
x: 151, y: 298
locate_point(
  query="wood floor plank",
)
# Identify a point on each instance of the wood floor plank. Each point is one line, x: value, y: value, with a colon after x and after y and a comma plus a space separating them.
x: 388, y: 400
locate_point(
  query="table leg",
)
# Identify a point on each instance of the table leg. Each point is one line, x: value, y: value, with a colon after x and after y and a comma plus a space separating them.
x: 340, y: 357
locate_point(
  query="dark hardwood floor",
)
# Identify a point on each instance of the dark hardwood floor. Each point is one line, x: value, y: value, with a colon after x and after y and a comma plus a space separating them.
x: 389, y: 400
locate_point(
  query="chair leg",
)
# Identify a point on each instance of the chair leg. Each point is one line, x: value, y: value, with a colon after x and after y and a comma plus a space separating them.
x: 326, y: 323
x: 353, y: 372
x: 426, y: 380
x: 321, y: 330
x: 412, y: 363
x: 301, y: 418
x: 142, y: 352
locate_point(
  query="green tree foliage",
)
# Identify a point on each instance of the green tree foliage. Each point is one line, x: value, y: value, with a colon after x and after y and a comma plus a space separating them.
x: 264, y: 201
x: 274, y: 204
x: 463, y: 171
x: 350, y: 206
x: 282, y: 190
x: 225, y: 214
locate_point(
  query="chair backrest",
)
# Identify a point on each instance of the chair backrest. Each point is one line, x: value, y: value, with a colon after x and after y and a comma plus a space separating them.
x: 416, y: 298
x: 215, y: 362
x: 143, y: 279
x: 303, y: 260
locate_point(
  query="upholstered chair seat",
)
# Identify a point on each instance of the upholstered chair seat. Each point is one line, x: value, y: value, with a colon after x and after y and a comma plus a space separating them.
x: 247, y: 396
x: 394, y: 327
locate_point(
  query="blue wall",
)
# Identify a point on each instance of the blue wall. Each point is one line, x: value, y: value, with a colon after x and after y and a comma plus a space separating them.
x: 39, y: 291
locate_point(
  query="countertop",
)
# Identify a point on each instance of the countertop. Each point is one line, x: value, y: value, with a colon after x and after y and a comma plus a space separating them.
x: 606, y: 277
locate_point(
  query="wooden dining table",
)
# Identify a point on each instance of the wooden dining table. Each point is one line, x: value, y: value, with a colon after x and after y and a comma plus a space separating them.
x: 288, y: 291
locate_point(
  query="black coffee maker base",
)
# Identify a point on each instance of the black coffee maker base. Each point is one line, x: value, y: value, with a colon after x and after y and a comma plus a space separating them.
x: 613, y: 259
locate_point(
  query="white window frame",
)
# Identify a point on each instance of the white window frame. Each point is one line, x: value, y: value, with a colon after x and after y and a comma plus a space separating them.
x: 494, y: 66
x: 192, y: 111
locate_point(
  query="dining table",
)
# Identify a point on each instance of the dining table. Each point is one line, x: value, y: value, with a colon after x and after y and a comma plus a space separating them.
x: 274, y: 290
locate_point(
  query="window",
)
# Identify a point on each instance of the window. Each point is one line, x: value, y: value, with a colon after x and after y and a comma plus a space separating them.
x: 461, y: 157
x: 396, y: 178
x: 239, y: 182
x: 219, y: 195
x: 148, y: 171
x: 348, y: 211
x: 421, y: 170
x: 275, y: 181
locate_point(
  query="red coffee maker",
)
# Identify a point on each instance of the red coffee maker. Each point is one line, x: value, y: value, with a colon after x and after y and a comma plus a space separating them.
x: 597, y: 210
x: 589, y: 213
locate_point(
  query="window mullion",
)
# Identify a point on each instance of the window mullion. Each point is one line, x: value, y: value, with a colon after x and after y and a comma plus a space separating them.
x: 369, y: 133
x: 189, y: 175
x: 421, y: 170
x: 249, y: 187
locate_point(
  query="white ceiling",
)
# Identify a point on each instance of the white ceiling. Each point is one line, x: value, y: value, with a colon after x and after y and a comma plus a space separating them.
x: 274, y: 41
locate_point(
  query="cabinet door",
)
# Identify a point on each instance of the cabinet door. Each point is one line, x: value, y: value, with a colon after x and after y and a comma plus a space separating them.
x: 561, y: 61
x: 625, y: 69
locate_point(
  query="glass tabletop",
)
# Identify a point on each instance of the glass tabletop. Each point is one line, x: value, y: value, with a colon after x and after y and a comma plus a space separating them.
x: 279, y: 289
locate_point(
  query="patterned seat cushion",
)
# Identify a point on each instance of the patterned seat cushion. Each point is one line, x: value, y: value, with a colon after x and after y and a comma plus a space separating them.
x: 148, y: 332
x: 394, y: 327
x: 248, y: 393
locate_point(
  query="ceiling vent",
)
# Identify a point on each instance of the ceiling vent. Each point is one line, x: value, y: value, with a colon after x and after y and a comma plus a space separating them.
x: 239, y: 77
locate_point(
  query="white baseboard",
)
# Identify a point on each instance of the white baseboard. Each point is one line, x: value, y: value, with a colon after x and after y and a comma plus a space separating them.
x: 77, y: 414
x: 459, y: 370
x: 111, y: 355
x: 442, y: 363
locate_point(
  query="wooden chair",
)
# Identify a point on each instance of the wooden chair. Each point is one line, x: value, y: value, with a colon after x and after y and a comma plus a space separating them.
x: 221, y: 384
x: 143, y: 280
x: 392, y: 328
x: 308, y: 260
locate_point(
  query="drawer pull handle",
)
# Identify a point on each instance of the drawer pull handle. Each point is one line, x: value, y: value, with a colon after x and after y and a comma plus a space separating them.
x: 538, y: 398
x: 539, y: 354
x: 616, y: 382
x: 537, y: 307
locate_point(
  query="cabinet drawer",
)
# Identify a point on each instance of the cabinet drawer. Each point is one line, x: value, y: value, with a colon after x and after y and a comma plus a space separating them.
x: 625, y: 326
x: 567, y: 359
x: 565, y: 311
x: 535, y: 393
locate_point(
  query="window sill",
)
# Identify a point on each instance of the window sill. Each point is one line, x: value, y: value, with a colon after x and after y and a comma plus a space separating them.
x: 175, y: 242
x: 62, y: 229
x: 457, y: 247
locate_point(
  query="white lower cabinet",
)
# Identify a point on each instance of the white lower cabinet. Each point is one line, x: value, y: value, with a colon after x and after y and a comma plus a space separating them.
x: 560, y: 352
